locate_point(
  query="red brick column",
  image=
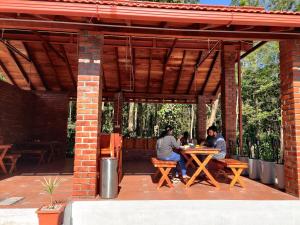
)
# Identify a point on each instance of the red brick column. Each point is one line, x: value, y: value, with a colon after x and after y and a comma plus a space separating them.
x: 290, y: 105
x: 88, y: 124
x: 118, y: 110
x: 201, y: 118
x: 228, y: 95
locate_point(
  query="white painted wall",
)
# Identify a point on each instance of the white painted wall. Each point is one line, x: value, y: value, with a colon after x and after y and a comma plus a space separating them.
x: 178, y: 212
x: 18, y: 217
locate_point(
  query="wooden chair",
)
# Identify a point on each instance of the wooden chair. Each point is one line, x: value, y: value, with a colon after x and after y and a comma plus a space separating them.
x: 163, y: 167
x: 236, y: 167
x: 111, y: 145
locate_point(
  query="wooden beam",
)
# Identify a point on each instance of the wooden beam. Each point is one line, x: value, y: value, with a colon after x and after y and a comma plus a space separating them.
x: 217, y: 88
x: 253, y: 49
x: 180, y: 71
x: 21, y: 68
x: 50, y: 46
x: 103, y: 78
x: 118, y: 69
x: 7, y: 73
x: 149, y: 71
x: 166, y: 61
x: 132, y: 63
x: 195, y: 72
x: 36, y: 66
x: 63, y: 50
x: 14, y: 49
x: 145, y: 31
x: 212, y: 65
x: 200, y: 62
x: 52, y: 66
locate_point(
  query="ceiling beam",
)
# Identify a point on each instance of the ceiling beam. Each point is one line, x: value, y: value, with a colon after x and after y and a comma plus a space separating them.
x: 144, y: 31
x: 195, y: 72
x: 36, y: 66
x: 44, y: 45
x: 7, y: 73
x: 63, y: 50
x: 252, y: 49
x: 165, y: 65
x: 200, y: 62
x: 118, y: 69
x: 21, y: 69
x: 212, y: 65
x: 149, y: 70
x: 180, y: 71
x: 215, y: 92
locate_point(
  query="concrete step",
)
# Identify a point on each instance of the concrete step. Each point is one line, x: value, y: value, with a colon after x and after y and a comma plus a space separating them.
x: 18, y: 217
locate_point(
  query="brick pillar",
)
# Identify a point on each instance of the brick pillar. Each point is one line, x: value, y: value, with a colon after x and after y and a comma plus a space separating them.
x: 88, y: 124
x: 201, y: 118
x: 118, y: 110
x: 290, y: 105
x: 228, y: 95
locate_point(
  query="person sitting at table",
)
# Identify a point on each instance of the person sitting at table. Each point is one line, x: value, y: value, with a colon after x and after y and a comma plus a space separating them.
x: 219, y: 142
x: 185, y: 140
x: 210, y: 139
x: 165, y: 144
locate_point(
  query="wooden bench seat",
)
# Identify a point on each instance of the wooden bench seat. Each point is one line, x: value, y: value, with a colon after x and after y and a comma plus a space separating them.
x: 163, y: 167
x: 236, y: 167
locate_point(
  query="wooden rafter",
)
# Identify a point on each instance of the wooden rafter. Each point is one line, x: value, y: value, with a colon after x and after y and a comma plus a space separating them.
x: 166, y: 61
x: 253, y: 49
x: 195, y: 72
x: 217, y: 88
x: 21, y: 68
x: 118, y: 69
x: 63, y: 50
x: 52, y: 65
x: 149, y: 71
x: 36, y: 65
x: 209, y: 73
x: 180, y: 71
x: 7, y: 73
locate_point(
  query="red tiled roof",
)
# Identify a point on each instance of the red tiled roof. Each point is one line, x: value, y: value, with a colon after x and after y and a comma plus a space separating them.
x: 200, y: 7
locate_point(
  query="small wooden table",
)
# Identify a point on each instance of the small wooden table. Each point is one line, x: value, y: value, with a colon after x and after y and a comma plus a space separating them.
x: 209, y: 153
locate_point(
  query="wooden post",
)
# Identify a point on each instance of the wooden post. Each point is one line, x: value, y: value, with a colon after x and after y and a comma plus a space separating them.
x: 240, y: 105
x: 118, y: 110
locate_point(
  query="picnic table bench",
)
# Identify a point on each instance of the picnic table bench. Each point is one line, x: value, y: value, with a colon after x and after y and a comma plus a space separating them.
x: 236, y: 167
x: 163, y: 167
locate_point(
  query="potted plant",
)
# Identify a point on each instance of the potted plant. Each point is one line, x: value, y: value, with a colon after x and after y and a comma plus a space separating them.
x: 267, y: 164
x: 51, y: 214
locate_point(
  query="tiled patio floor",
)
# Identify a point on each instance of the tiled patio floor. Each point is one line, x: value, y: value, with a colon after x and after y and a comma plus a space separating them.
x: 137, y: 184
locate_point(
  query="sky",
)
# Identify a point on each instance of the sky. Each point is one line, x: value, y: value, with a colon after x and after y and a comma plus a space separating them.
x: 215, y: 2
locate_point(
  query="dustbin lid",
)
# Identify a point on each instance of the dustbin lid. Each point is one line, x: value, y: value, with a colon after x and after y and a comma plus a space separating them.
x: 109, y: 158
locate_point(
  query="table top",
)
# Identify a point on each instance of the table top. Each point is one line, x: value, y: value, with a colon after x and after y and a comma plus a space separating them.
x: 201, y: 150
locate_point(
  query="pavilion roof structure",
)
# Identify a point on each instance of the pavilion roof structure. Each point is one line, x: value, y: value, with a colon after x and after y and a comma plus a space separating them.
x: 152, y: 51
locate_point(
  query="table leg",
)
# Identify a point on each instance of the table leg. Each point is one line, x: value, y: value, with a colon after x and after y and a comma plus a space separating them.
x: 202, y: 167
x: 3, y: 166
x: 189, y: 161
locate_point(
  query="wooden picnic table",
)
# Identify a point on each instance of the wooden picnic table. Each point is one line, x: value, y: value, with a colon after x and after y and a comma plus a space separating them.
x: 6, y: 155
x: 208, y: 153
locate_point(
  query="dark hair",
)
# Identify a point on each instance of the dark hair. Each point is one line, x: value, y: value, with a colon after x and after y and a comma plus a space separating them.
x: 165, y: 131
x: 213, y: 128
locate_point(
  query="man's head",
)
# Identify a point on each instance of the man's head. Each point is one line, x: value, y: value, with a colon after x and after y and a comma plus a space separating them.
x: 169, y: 130
x: 212, y: 131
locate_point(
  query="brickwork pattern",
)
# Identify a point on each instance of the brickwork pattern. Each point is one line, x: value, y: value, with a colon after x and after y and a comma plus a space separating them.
x: 201, y: 118
x: 228, y: 95
x: 88, y: 124
x: 290, y: 105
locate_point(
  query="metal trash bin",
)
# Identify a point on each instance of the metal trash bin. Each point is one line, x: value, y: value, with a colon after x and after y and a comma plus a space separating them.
x: 109, y: 177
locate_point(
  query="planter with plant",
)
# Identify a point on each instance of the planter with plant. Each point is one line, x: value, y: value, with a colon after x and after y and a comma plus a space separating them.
x: 267, y: 163
x: 53, y: 213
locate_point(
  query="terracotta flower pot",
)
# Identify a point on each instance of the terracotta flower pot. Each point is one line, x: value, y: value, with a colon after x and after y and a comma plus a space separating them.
x: 51, y: 216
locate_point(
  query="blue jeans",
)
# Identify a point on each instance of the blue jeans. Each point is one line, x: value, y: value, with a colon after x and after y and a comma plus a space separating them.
x: 178, y: 158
